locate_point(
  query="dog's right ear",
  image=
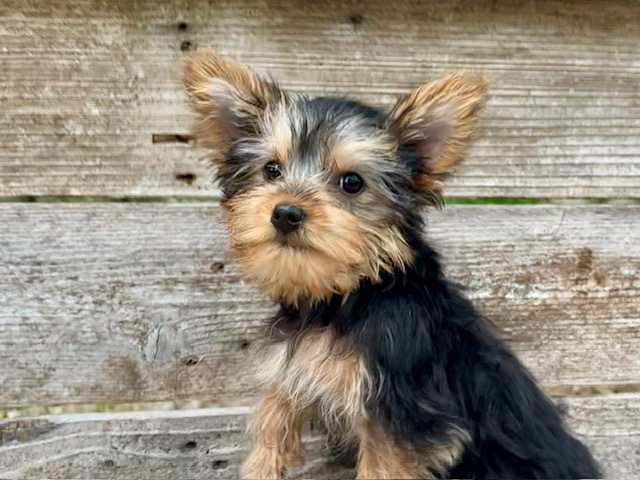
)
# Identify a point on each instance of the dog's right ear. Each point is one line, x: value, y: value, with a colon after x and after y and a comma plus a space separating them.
x: 229, y: 98
x: 438, y: 122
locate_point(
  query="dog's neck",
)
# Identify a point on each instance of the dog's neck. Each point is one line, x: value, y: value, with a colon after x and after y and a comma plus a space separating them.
x: 425, y: 272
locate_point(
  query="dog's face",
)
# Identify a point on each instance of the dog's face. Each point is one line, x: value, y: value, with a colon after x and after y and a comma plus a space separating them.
x: 323, y: 192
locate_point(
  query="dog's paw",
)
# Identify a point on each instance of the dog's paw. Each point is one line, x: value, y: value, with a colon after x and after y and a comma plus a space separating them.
x: 267, y: 464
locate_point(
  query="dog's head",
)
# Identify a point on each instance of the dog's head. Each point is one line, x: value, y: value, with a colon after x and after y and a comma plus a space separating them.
x: 323, y: 192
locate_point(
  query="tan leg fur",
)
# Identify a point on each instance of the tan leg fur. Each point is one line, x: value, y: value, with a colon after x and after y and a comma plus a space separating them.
x: 380, y: 458
x: 276, y: 430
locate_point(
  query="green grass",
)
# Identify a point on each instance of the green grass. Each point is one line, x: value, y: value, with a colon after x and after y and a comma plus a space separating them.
x: 101, y: 199
x: 37, y: 410
x: 492, y: 201
x: 214, y: 199
x: 32, y: 411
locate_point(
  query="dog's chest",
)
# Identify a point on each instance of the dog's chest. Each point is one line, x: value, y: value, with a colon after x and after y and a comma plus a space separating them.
x: 318, y: 370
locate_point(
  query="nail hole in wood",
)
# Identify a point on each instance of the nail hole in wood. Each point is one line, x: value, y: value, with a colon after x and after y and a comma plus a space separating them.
x: 217, y: 267
x: 191, y: 360
x: 109, y: 463
x: 190, y: 445
x: 182, y: 26
x: 185, y: 46
x: 356, y: 19
x: 220, y: 464
x: 187, y: 178
x: 169, y: 138
x: 244, y: 344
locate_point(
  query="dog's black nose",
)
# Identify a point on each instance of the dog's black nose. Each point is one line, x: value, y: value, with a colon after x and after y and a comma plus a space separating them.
x: 287, y: 218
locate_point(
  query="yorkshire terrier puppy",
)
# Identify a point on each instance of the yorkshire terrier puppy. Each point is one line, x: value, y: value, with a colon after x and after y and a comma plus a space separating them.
x: 324, y: 202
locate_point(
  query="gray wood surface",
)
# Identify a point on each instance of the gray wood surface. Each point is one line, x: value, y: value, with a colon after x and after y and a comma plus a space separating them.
x: 210, y: 443
x: 138, y: 302
x: 87, y: 86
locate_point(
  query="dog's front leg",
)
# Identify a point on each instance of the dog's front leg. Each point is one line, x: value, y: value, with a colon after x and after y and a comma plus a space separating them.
x: 276, y: 436
x: 380, y: 458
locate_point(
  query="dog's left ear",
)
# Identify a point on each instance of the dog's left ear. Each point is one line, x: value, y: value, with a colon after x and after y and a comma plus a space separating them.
x: 437, y: 123
x: 229, y: 98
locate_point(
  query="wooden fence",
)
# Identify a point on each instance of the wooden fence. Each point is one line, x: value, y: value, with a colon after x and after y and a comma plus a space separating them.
x: 114, y: 283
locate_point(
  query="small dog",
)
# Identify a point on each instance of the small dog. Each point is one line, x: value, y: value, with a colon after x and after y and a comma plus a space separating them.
x: 324, y: 201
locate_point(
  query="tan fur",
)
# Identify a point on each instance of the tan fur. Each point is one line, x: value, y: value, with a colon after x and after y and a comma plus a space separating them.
x: 317, y: 372
x: 276, y: 431
x: 210, y: 78
x: 352, y: 150
x: 440, y: 458
x: 277, y: 136
x: 380, y: 458
x: 320, y: 370
x: 456, y: 100
x: 333, y: 251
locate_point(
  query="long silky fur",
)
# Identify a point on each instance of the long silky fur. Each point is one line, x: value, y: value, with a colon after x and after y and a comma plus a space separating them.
x: 406, y: 372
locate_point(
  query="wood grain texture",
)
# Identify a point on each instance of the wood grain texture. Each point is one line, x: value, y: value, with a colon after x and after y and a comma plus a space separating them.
x: 210, y: 443
x: 85, y: 85
x: 137, y: 302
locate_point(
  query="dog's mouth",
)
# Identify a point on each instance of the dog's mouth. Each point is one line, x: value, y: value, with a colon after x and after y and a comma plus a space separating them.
x: 295, y: 241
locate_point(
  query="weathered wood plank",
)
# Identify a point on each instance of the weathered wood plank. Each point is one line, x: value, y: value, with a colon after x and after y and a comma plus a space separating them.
x: 137, y: 302
x: 87, y: 84
x: 210, y: 443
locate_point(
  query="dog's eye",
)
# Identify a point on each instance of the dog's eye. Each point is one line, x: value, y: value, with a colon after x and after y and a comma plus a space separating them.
x: 351, y: 183
x: 272, y: 171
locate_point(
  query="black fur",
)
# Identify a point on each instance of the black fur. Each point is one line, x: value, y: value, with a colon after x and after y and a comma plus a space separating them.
x: 439, y: 368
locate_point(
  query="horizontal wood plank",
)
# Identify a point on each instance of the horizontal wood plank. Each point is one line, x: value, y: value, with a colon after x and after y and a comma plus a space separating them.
x: 138, y: 302
x: 211, y: 443
x: 87, y: 85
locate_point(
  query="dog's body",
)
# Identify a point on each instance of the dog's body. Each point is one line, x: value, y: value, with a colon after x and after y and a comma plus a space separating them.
x: 324, y: 201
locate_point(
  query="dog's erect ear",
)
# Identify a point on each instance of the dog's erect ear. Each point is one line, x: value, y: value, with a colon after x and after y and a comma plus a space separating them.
x: 229, y: 98
x: 437, y: 122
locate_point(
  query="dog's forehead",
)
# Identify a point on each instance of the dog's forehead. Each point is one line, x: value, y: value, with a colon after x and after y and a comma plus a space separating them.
x: 310, y: 135
x: 336, y: 113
